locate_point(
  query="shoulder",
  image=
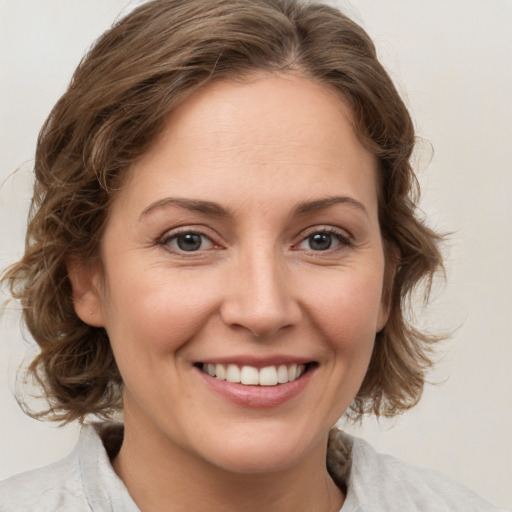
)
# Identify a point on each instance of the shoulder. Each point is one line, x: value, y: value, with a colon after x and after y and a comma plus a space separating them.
x: 380, y: 482
x: 54, y: 487
x: 82, y: 481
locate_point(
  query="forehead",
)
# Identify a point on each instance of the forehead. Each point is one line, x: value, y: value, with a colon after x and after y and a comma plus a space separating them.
x: 272, y: 110
x: 272, y: 130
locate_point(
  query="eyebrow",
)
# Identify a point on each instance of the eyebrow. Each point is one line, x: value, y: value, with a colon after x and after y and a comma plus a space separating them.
x: 320, y: 204
x: 194, y: 205
x: 215, y: 209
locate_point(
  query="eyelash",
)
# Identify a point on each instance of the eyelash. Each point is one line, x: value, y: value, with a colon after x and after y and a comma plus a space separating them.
x: 342, y: 240
x: 169, y: 237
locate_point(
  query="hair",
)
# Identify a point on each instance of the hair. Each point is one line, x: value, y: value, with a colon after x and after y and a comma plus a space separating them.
x: 117, y: 103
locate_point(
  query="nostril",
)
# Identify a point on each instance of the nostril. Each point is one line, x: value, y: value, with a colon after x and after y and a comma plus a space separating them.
x: 258, y: 299
x: 261, y: 324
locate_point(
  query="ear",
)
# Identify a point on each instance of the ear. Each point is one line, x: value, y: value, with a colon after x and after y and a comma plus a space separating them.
x: 392, y: 260
x: 86, y: 290
x: 383, y: 316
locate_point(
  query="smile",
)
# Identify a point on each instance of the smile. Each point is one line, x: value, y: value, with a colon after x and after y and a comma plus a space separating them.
x: 252, y: 376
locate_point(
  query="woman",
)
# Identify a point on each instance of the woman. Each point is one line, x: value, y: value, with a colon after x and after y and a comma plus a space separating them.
x: 222, y: 241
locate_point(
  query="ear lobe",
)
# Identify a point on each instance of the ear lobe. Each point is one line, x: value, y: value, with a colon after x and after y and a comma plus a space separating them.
x: 392, y: 260
x: 383, y: 316
x: 85, y: 285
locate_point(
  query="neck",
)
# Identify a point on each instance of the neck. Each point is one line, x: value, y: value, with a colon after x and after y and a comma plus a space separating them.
x: 161, y: 476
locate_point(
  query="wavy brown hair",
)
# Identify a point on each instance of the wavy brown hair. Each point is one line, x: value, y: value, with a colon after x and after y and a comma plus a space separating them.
x: 117, y: 104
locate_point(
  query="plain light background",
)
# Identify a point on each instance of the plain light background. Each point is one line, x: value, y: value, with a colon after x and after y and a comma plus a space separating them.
x: 452, y: 61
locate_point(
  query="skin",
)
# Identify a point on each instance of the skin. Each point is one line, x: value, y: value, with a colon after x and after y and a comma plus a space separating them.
x: 257, y: 287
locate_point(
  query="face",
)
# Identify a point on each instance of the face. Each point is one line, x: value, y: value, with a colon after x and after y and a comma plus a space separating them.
x: 241, y: 277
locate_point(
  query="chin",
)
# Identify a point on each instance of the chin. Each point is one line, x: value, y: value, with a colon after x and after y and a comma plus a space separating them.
x: 258, y: 459
x: 265, y: 451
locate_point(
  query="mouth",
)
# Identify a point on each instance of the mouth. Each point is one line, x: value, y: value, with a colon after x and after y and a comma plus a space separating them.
x: 272, y: 375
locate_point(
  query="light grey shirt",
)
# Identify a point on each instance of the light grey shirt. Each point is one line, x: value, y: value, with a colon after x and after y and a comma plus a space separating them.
x: 85, y: 481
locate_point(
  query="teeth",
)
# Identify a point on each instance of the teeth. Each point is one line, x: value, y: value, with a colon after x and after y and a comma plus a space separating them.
x: 292, y: 372
x: 220, y: 372
x: 251, y: 376
x: 268, y: 376
x: 233, y: 373
x: 282, y: 374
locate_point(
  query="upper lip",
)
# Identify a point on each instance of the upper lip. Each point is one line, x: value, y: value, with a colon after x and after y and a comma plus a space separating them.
x: 255, y: 361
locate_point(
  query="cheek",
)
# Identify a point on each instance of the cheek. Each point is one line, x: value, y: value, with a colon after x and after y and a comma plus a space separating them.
x: 158, y: 311
x: 346, y: 308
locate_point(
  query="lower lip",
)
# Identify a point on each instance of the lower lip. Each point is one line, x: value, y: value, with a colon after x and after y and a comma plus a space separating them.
x: 257, y: 397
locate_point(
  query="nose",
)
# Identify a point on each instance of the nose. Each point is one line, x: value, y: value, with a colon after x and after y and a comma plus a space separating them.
x: 258, y: 296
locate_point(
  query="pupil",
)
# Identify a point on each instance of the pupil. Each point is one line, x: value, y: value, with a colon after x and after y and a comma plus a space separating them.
x: 189, y: 242
x: 320, y: 242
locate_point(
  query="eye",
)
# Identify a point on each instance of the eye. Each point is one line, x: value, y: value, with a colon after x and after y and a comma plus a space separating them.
x: 324, y: 240
x: 188, y: 241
